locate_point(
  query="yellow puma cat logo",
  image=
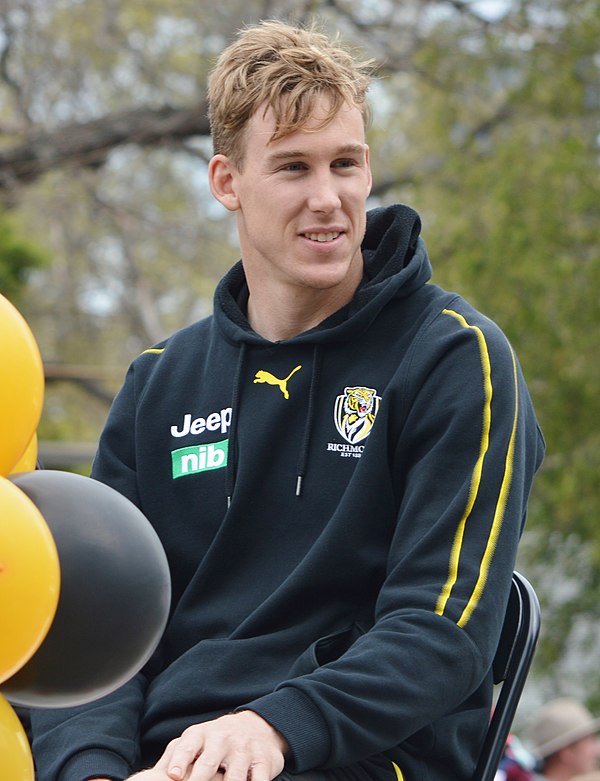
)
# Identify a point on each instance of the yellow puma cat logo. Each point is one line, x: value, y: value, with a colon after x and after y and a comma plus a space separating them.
x: 264, y: 376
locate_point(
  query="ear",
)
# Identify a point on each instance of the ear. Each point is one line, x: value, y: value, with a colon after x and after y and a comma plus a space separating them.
x: 221, y: 172
x: 368, y: 164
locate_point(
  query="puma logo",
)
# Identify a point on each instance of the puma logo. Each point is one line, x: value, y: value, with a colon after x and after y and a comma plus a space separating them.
x: 263, y: 376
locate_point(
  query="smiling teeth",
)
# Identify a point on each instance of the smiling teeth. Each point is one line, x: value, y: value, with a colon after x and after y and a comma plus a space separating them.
x: 322, y: 236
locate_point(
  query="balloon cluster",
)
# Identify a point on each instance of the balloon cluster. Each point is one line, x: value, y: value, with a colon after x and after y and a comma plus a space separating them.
x: 84, y: 581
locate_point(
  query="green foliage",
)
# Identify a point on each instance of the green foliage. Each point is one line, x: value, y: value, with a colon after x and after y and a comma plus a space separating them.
x: 17, y: 257
x: 489, y: 128
x: 512, y: 220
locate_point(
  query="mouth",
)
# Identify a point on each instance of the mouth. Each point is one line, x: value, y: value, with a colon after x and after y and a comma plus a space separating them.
x: 322, y: 237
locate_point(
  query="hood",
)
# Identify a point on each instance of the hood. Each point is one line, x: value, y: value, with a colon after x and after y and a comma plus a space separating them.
x: 396, y: 264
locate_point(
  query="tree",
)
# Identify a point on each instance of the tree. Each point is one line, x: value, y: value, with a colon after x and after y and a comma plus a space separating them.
x: 485, y: 122
x: 17, y: 258
x: 517, y: 216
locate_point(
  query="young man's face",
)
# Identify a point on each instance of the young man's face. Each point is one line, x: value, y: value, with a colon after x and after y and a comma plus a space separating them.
x: 300, y: 202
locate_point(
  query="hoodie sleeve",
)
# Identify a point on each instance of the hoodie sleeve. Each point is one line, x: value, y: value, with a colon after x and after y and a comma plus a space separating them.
x: 99, y: 739
x: 463, y: 446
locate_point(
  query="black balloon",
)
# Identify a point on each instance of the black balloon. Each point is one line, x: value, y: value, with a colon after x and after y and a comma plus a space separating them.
x: 114, y: 598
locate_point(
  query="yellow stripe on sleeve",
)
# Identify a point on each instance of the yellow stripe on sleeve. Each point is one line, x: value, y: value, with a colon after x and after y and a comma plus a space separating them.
x: 477, y: 470
x: 499, y: 513
x: 154, y: 350
x: 476, y: 482
x: 398, y: 772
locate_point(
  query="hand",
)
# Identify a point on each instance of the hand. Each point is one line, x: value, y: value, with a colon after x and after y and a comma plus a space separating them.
x: 231, y: 748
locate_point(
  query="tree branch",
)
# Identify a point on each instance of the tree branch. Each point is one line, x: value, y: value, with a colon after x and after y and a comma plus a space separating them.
x: 89, y: 143
x: 5, y: 75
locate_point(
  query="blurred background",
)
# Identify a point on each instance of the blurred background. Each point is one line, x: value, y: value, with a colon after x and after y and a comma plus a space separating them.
x: 486, y: 119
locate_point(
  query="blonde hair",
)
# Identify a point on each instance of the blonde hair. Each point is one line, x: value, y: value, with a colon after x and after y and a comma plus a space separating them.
x: 285, y: 68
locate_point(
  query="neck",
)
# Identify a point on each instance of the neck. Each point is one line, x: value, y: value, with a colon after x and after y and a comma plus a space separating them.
x: 288, y: 313
x: 278, y: 312
x: 277, y: 320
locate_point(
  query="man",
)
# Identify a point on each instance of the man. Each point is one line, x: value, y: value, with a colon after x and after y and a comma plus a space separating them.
x: 338, y: 463
x: 564, y: 738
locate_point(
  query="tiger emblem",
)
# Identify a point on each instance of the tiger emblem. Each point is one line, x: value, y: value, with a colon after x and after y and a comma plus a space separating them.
x: 355, y: 412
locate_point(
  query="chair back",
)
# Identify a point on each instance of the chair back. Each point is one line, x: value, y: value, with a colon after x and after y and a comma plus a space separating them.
x: 510, y: 668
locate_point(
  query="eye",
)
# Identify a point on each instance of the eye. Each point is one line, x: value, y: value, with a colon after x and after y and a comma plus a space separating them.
x: 293, y: 167
x: 345, y: 162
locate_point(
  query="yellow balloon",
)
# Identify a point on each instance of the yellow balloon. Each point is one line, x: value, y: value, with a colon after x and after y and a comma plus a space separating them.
x: 29, y: 579
x: 28, y: 460
x: 21, y: 385
x: 16, y: 761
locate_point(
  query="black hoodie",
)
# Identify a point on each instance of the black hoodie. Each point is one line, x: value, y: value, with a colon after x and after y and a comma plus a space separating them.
x: 341, y: 513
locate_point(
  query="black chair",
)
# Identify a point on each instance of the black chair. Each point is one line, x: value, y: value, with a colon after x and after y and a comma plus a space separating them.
x: 510, y: 668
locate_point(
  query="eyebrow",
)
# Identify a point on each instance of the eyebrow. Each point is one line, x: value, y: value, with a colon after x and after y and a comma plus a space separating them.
x: 294, y: 154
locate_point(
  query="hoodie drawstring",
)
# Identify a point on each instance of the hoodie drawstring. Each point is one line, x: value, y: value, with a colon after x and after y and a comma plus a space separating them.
x: 312, y: 395
x: 235, y: 404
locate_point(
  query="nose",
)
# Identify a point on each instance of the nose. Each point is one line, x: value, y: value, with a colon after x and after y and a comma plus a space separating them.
x: 323, y: 194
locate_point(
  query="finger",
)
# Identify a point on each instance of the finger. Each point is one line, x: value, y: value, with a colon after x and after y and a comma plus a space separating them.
x: 256, y: 770
x: 209, y: 764
x: 179, y: 762
x: 148, y: 775
x: 236, y: 767
x: 165, y: 758
x: 260, y: 771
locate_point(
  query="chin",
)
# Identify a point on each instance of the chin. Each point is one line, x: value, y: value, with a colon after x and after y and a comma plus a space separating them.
x: 326, y: 282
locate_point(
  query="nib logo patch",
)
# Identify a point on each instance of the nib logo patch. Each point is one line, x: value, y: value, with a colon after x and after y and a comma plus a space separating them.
x: 199, y: 458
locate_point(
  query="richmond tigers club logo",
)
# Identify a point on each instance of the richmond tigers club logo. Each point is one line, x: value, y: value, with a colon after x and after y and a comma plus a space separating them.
x: 355, y: 412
